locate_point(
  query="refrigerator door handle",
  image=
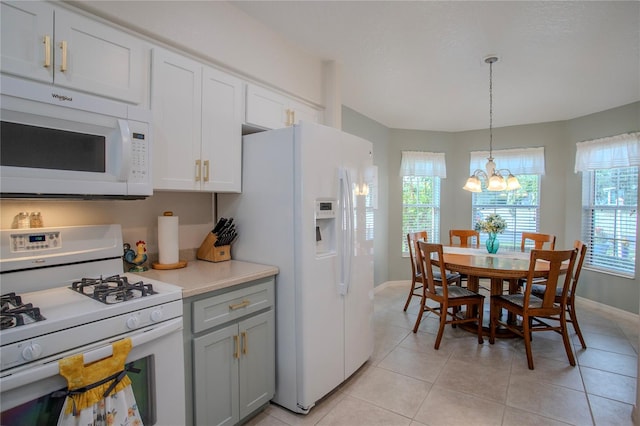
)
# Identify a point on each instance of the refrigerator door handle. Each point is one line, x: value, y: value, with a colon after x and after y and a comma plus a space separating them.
x: 347, y: 236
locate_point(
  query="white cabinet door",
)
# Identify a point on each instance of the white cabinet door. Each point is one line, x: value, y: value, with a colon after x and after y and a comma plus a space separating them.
x: 257, y: 362
x: 301, y: 112
x: 81, y: 54
x: 265, y: 108
x: 97, y: 58
x: 175, y: 103
x: 197, y: 124
x: 269, y: 110
x: 215, y: 377
x: 221, y: 131
x: 27, y: 39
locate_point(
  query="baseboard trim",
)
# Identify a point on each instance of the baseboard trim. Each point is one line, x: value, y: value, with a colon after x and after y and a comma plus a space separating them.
x: 392, y: 284
x: 608, y: 309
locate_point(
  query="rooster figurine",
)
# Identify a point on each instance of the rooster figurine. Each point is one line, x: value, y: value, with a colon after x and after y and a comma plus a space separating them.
x: 136, y: 258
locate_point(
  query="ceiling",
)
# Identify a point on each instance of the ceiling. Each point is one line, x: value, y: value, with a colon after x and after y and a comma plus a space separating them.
x: 420, y: 64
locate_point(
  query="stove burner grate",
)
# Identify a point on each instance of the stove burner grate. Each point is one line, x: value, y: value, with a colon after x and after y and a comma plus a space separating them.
x: 14, y: 313
x: 113, y: 289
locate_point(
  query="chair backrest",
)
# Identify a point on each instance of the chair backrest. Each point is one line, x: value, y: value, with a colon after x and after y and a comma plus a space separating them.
x: 582, y: 251
x: 427, y: 261
x: 412, y: 237
x: 554, y: 280
x: 538, y: 240
x: 463, y: 236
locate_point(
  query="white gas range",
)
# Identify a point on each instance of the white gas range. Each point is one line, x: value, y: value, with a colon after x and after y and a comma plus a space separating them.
x: 64, y: 292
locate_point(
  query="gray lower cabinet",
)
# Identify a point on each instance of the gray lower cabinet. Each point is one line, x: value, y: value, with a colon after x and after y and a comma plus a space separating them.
x: 232, y: 346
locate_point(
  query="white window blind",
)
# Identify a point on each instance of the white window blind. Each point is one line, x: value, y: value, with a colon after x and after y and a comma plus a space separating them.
x: 420, y: 208
x: 610, y: 202
x: 421, y: 173
x: 519, y: 208
x: 609, y: 219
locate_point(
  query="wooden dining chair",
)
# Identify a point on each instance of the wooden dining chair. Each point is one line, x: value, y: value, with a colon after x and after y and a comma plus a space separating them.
x: 416, y: 272
x: 532, y: 309
x: 464, y: 237
x: 535, y: 241
x: 429, y: 257
x: 538, y: 291
x: 538, y: 240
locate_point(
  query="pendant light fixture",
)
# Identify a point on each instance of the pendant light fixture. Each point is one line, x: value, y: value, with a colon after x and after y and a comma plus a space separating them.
x: 493, y: 176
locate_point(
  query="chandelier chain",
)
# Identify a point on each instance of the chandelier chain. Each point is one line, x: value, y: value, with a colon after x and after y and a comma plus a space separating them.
x: 491, y: 109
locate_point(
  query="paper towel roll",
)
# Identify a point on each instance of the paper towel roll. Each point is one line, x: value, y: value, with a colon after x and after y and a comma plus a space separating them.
x: 168, y: 239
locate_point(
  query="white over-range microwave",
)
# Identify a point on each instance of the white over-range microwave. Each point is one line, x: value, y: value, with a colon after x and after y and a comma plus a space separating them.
x: 57, y: 143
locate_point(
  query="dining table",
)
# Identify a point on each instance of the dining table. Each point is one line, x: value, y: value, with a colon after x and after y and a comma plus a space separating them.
x: 506, y: 266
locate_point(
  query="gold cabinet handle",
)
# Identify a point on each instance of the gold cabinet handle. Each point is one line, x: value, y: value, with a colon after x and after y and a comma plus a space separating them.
x: 197, y: 170
x: 206, y: 171
x: 63, y: 65
x: 47, y: 51
x: 236, y: 345
x: 242, y: 304
x: 244, y: 342
x: 293, y: 117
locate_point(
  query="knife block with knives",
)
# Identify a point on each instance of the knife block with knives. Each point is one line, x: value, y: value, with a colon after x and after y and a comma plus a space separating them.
x: 216, y: 246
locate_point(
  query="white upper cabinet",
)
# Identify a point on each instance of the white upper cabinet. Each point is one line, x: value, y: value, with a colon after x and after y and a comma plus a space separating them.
x: 269, y: 110
x: 197, y: 125
x: 54, y: 45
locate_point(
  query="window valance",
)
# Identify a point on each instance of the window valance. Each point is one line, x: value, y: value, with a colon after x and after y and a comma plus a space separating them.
x: 608, y: 153
x: 520, y: 161
x: 420, y: 163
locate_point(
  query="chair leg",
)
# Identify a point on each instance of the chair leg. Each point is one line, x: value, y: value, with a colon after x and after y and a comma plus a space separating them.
x: 493, y: 318
x: 526, y: 333
x: 413, y: 288
x: 574, y: 321
x: 443, y: 321
x: 480, y: 315
x: 565, y: 339
x: 422, y: 302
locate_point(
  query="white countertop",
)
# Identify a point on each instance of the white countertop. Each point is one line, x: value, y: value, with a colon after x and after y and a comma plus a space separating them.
x: 200, y: 276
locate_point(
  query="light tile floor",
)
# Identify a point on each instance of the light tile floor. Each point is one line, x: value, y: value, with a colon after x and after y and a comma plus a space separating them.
x: 407, y: 382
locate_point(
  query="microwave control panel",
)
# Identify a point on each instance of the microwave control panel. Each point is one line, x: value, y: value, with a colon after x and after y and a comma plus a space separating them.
x: 139, y: 170
x: 35, y: 241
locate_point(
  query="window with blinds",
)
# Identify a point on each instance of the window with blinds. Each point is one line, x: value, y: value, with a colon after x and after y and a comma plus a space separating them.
x: 519, y: 208
x: 369, y: 214
x: 609, y: 219
x: 420, y: 207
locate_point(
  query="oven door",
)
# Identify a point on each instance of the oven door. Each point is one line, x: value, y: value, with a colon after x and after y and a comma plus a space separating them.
x: 157, y: 351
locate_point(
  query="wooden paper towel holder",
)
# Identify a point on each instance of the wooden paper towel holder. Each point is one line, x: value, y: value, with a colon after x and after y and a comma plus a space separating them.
x: 209, y: 252
x: 179, y: 264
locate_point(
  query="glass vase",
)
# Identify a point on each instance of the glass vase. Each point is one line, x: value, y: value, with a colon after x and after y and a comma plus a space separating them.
x: 493, y: 244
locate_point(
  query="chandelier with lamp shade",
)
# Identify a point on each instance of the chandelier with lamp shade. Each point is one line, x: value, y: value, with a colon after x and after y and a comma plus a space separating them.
x: 494, y: 177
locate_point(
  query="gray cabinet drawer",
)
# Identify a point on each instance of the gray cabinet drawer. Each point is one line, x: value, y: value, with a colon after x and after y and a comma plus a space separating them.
x: 216, y: 310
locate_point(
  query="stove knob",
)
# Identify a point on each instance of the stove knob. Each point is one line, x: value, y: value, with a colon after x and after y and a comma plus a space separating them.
x: 156, y: 315
x: 31, y: 352
x: 133, y: 322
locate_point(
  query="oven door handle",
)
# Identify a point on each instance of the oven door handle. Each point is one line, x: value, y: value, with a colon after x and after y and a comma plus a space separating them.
x: 33, y: 373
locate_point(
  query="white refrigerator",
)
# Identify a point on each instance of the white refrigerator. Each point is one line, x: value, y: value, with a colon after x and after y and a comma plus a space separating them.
x: 306, y: 208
